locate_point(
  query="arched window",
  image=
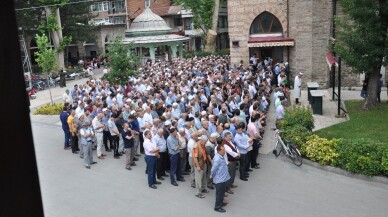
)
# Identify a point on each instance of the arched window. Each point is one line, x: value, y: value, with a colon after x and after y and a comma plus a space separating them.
x: 266, y: 23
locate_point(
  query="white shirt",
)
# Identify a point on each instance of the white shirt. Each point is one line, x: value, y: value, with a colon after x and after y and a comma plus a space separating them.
x: 147, y: 118
x: 148, y: 147
x: 279, y: 112
x: 66, y: 97
x: 190, y: 146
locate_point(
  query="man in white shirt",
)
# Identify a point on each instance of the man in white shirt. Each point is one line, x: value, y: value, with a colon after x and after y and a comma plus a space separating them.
x: 66, y: 97
x: 190, y: 144
x: 147, y: 117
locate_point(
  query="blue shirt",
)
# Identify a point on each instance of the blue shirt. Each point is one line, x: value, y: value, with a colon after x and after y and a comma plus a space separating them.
x: 219, y: 171
x: 212, y: 128
x: 135, y: 125
x: 172, y: 143
x: 241, y: 141
x: 63, y: 116
x: 128, y: 143
x: 160, y: 142
x: 232, y: 129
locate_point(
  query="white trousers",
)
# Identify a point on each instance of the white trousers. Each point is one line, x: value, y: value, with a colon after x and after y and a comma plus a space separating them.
x: 99, y: 140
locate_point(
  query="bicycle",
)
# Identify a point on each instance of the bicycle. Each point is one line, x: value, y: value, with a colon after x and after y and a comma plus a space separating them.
x: 287, y: 147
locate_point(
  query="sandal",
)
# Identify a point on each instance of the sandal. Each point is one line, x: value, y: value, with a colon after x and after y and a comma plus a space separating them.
x: 200, y: 196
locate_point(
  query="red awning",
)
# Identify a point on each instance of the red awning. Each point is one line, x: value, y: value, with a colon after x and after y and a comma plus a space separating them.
x: 330, y: 59
x: 270, y: 41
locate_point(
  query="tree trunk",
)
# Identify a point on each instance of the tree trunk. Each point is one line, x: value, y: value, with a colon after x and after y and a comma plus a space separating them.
x: 211, y: 35
x: 371, y: 99
x: 57, y: 36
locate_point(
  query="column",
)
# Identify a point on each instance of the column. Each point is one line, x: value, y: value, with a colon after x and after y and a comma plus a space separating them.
x: 173, y: 51
x: 152, y: 53
x: 181, y: 50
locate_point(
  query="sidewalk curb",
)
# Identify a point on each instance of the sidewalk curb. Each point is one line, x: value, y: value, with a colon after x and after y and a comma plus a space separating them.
x: 378, y: 179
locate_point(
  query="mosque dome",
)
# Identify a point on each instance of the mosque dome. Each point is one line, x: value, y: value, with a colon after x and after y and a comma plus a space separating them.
x: 148, y: 23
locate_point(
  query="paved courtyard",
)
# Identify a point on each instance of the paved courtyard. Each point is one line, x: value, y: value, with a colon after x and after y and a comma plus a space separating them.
x: 277, y: 189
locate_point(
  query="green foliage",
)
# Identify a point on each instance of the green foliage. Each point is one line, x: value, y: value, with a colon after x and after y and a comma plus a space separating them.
x: 363, y: 156
x: 362, y: 124
x: 49, y: 109
x: 223, y: 52
x: 49, y: 26
x: 45, y: 56
x: 123, y: 63
x: 202, y: 11
x: 321, y: 150
x: 296, y: 134
x: 362, y: 34
x: 64, y: 43
x: 297, y: 115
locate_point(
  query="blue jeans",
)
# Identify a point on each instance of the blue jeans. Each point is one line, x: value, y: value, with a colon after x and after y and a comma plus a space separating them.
x: 151, y: 169
x: 363, y: 94
x: 67, y: 137
x: 174, y: 167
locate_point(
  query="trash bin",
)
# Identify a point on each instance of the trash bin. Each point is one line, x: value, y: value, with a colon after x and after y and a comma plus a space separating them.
x: 316, y: 101
x: 311, y: 86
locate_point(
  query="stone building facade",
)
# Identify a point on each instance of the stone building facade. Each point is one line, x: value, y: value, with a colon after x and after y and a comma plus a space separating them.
x: 298, y: 32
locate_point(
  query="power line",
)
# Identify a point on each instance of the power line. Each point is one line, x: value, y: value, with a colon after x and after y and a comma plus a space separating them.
x: 42, y: 6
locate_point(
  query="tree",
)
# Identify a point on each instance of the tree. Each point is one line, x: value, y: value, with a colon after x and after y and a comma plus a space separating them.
x: 123, y: 63
x: 72, y: 21
x: 362, y: 40
x: 46, y: 57
x: 205, y: 16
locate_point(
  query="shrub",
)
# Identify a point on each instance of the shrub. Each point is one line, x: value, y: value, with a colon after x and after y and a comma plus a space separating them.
x: 296, y: 134
x: 297, y: 115
x: 363, y: 156
x: 222, y: 52
x: 321, y: 150
x: 48, y: 109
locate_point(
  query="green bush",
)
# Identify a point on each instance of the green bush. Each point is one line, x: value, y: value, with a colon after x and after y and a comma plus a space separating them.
x: 222, y: 52
x: 297, y: 115
x: 321, y: 150
x: 48, y: 109
x: 296, y: 134
x: 363, y: 156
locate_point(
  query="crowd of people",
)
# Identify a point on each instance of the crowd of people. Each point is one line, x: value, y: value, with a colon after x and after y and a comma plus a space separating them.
x: 199, y: 117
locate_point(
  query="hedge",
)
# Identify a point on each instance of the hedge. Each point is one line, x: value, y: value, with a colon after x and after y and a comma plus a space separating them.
x: 49, y: 109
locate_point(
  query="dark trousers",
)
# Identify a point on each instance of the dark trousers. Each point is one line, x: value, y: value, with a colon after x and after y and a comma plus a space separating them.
x: 220, y: 193
x: 232, y: 173
x: 161, y: 164
x: 151, y: 169
x: 248, y: 160
x: 115, y: 140
x: 105, y: 137
x: 254, y: 153
x: 74, y: 142
x: 67, y: 138
x: 243, y: 159
x: 378, y: 96
x: 174, y: 167
x: 141, y: 142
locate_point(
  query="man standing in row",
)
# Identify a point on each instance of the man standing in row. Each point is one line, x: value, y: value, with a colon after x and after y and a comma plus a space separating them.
x: 200, y: 164
x: 220, y: 175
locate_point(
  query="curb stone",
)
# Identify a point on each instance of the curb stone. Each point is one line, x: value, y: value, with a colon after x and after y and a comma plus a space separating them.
x: 378, y: 179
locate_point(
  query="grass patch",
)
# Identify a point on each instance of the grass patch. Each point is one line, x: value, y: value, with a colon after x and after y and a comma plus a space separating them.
x: 363, y: 124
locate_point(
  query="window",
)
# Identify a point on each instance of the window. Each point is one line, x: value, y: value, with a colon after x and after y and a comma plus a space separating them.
x: 266, y: 23
x: 178, y: 21
x: 105, y: 6
x: 222, y: 22
x: 189, y: 24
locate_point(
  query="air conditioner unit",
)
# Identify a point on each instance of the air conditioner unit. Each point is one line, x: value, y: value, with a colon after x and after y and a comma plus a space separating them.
x: 179, y: 29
